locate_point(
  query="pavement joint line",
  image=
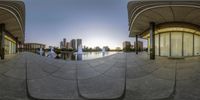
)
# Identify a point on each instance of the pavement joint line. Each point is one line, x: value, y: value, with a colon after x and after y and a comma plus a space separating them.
x: 79, y: 93
x: 98, y: 71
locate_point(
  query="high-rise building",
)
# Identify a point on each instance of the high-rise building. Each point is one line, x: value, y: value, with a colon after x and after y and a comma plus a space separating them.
x: 64, y: 43
x: 106, y: 48
x: 126, y: 44
x: 61, y: 44
x: 68, y: 45
x: 79, y: 43
x: 140, y: 45
x: 73, y: 44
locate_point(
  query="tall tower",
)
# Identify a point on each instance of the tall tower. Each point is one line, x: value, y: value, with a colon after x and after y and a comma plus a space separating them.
x: 73, y: 44
x: 64, y: 43
x: 79, y: 43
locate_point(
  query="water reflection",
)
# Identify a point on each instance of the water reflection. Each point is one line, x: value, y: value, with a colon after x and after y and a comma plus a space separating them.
x: 79, y: 57
x: 84, y: 56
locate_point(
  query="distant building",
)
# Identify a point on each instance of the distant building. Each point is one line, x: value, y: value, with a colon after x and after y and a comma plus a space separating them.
x: 61, y: 45
x: 33, y: 47
x: 64, y: 43
x: 73, y: 44
x: 68, y: 45
x: 106, y: 48
x: 79, y: 43
x: 126, y: 44
x: 50, y: 47
x: 117, y: 48
x: 140, y: 45
x: 97, y: 48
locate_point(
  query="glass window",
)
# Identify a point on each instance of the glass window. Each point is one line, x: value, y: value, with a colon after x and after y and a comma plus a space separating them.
x: 157, y: 44
x: 164, y: 44
x: 6, y: 46
x: 176, y: 44
x: 196, y: 45
x: 188, y: 44
x: 148, y: 45
x: 10, y: 47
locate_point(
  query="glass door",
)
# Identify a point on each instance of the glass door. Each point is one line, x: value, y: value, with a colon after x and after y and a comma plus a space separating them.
x: 176, y: 44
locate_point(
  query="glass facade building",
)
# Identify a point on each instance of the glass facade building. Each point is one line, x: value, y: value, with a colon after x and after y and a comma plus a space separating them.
x: 176, y: 42
x: 12, y: 26
x: 10, y: 45
x: 172, y: 28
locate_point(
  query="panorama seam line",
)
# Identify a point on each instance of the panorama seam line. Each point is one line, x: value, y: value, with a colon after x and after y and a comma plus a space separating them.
x: 117, y: 98
x: 27, y: 89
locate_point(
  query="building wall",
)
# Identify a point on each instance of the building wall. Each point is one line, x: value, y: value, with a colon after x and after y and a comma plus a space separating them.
x: 140, y: 45
x: 9, y: 45
x: 73, y: 44
x: 176, y: 44
x: 79, y: 43
x: 126, y: 43
x: 32, y: 47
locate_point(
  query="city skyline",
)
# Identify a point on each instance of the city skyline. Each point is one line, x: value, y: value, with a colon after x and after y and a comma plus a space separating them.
x: 96, y: 22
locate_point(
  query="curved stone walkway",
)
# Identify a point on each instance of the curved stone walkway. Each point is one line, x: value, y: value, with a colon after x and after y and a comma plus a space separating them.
x: 12, y: 78
x: 102, y: 78
x: 163, y: 78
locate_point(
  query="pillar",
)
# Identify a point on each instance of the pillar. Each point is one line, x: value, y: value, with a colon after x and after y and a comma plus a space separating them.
x: 136, y: 43
x: 152, y: 40
x: 17, y: 44
x: 2, y: 49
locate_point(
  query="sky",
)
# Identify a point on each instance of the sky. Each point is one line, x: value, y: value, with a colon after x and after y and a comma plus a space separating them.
x: 96, y: 22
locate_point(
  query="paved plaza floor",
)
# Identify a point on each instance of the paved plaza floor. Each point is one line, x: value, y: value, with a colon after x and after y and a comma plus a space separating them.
x: 122, y: 76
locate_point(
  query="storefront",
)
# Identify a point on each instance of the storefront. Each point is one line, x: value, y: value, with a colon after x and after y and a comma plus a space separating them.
x: 172, y: 28
x: 176, y: 42
x: 10, y: 45
x: 12, y: 26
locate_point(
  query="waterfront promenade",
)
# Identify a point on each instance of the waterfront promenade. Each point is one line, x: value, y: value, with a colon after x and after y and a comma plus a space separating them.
x: 120, y: 76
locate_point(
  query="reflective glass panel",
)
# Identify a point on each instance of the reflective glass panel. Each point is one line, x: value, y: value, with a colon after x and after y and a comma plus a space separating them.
x: 196, y: 45
x: 188, y: 44
x: 176, y: 44
x: 164, y: 44
x: 157, y: 44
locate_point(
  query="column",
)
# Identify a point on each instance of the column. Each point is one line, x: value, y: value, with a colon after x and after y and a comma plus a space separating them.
x: 152, y: 40
x: 136, y: 43
x: 2, y: 51
x: 17, y: 44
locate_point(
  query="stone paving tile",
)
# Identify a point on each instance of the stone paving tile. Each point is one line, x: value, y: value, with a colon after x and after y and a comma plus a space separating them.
x: 53, y: 88
x: 109, y: 84
x: 12, y: 78
x: 101, y: 87
x: 59, y: 81
x: 98, y: 78
x: 53, y: 81
x: 149, y: 87
x: 148, y: 80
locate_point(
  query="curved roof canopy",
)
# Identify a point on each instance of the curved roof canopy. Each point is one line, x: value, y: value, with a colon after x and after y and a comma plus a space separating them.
x: 12, y: 14
x: 141, y: 13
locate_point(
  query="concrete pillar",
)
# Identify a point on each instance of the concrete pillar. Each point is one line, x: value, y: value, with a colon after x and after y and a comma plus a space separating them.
x: 2, y: 49
x: 152, y: 40
x: 136, y: 43
x: 17, y: 44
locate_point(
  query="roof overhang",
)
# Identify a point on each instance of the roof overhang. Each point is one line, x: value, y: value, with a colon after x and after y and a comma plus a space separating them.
x: 141, y: 13
x: 12, y: 14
